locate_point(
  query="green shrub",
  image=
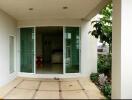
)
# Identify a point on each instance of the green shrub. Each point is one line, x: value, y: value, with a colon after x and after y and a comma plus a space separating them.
x: 107, y: 90
x: 94, y: 77
x: 104, y: 64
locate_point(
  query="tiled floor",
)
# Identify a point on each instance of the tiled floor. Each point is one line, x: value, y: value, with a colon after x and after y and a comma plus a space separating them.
x: 25, y: 88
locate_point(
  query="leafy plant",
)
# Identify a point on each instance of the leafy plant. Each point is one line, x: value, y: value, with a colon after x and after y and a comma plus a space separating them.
x: 107, y: 90
x: 104, y: 64
x: 103, y: 26
x: 94, y: 77
x: 105, y: 87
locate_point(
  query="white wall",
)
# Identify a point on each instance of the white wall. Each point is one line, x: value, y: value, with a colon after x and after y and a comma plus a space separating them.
x: 7, y: 28
x: 122, y: 50
x: 126, y: 49
x: 88, y: 50
x: 49, y: 22
x: 116, y: 50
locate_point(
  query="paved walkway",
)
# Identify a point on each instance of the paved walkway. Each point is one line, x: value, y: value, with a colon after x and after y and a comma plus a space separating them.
x: 27, y: 88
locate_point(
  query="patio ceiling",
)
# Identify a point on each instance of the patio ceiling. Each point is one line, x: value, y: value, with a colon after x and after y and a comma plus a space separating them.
x: 49, y: 9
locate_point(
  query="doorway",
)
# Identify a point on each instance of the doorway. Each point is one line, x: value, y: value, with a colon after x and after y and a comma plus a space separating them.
x: 49, y: 50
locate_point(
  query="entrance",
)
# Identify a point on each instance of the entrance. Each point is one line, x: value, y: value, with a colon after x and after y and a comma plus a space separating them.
x: 50, y: 50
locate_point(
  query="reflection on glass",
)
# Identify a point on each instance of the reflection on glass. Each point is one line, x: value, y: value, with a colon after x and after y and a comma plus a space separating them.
x: 27, y: 49
x: 72, y: 49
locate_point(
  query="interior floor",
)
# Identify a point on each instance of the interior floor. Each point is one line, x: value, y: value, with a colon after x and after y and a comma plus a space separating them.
x: 49, y: 50
x: 50, y: 69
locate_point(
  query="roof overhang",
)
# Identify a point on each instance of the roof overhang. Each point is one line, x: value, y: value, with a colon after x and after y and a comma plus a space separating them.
x: 24, y: 10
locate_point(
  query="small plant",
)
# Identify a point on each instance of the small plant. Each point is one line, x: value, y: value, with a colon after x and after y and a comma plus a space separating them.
x: 102, y: 79
x: 94, y: 77
x: 104, y: 64
x: 107, y: 90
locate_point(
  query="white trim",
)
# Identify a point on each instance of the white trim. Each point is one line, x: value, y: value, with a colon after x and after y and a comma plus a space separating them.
x: 64, y: 74
x: 32, y: 75
x: 48, y: 26
x: 80, y: 69
x: 64, y: 52
x: 25, y: 27
x: 50, y: 22
x: 14, y: 67
x: 34, y: 50
x: 18, y: 50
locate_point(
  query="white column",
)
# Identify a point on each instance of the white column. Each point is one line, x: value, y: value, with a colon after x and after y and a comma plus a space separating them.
x: 122, y: 49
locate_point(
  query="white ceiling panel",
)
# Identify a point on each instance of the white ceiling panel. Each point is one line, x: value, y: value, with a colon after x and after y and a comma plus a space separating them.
x: 48, y: 9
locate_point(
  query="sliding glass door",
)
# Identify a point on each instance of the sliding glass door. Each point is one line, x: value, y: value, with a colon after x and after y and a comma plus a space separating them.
x: 27, y: 37
x: 72, y: 49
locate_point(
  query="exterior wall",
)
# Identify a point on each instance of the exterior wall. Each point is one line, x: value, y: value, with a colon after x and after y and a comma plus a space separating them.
x: 88, y: 50
x: 126, y: 49
x: 7, y: 28
x: 116, y: 50
x: 122, y: 50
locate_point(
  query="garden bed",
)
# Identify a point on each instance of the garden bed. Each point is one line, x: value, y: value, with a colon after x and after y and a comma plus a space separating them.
x: 103, y: 77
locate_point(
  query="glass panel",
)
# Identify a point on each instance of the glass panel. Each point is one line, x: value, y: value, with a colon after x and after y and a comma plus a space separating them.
x: 11, y: 41
x: 27, y: 49
x: 72, y: 49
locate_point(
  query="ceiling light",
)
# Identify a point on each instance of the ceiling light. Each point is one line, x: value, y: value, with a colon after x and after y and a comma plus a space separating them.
x: 31, y: 9
x: 64, y: 7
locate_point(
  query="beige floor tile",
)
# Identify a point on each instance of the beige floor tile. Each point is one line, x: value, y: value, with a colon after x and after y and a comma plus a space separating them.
x: 28, y: 85
x: 41, y: 79
x: 70, y: 85
x: 68, y: 79
x: 1, y: 98
x: 87, y: 84
x: 32, y: 79
x: 49, y: 86
x: 49, y: 89
x: 84, y: 80
x: 20, y: 94
x: 92, y: 89
x: 78, y: 94
x: 49, y: 80
x: 5, y: 89
x: 94, y: 94
x: 47, y: 95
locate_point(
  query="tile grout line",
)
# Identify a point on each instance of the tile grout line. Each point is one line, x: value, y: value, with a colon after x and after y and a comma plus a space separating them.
x: 83, y: 89
x: 42, y: 80
x: 72, y: 90
x: 36, y: 90
x: 25, y: 88
x: 49, y: 90
x: 13, y: 88
x: 60, y: 91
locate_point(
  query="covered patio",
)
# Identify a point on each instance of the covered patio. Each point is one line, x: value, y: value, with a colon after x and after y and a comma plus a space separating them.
x: 29, y: 88
x: 15, y: 14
